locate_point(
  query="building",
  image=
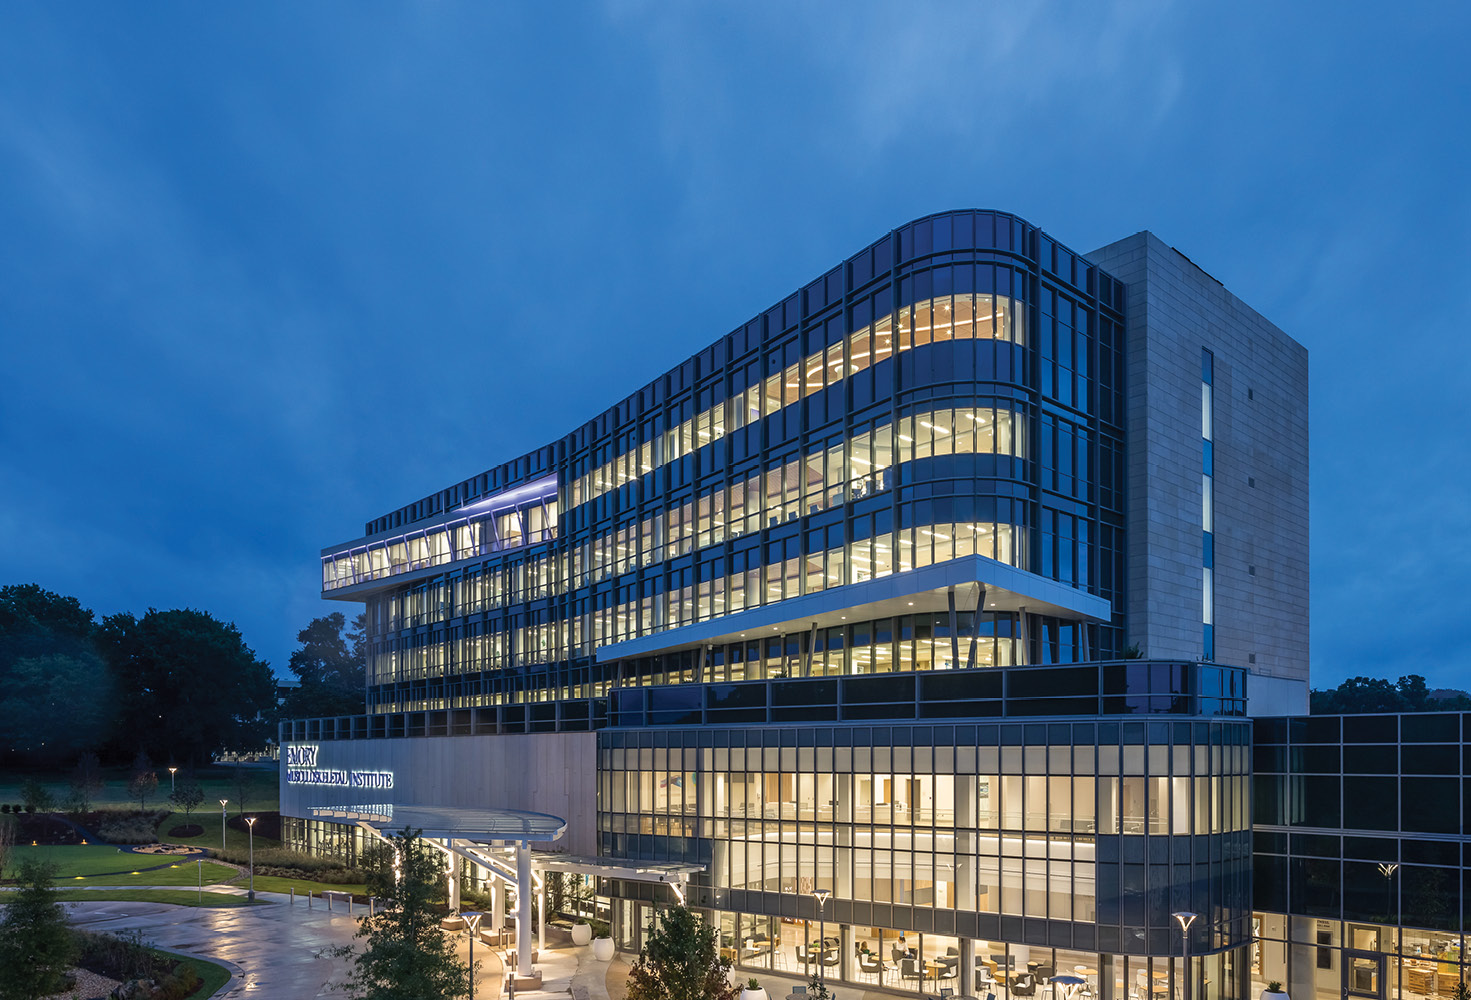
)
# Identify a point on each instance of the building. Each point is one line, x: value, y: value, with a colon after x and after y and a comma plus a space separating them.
x: 947, y: 586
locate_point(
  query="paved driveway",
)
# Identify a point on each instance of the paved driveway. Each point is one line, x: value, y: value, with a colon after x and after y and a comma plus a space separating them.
x: 272, y: 950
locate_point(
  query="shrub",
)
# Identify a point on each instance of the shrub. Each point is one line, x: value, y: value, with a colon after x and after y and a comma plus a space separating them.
x: 280, y: 857
x: 179, y: 985
x: 129, y: 829
x: 118, y: 956
x: 5, y: 807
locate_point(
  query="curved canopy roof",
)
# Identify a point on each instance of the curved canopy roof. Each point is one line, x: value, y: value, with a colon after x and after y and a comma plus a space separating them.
x: 448, y: 823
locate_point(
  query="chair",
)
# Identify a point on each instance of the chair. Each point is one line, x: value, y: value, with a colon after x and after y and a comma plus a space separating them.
x: 909, y: 969
x: 946, y: 991
x: 869, y: 964
x: 948, y: 970
x: 1025, y: 985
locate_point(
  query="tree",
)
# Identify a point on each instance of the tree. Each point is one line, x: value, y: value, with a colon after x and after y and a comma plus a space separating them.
x: 1376, y: 694
x: 189, y: 687
x: 25, y: 608
x: 680, y: 960
x: 36, y: 797
x: 330, y: 667
x: 187, y: 795
x: 55, y: 694
x: 242, y: 780
x: 86, y: 781
x: 407, y: 953
x: 7, y: 841
x: 144, y: 780
x: 36, y: 946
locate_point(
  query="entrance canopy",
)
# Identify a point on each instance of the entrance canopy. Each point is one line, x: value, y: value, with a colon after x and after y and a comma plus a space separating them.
x: 624, y: 868
x: 480, y: 826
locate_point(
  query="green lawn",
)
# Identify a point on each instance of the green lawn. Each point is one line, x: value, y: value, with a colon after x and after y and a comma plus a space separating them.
x: 272, y: 883
x: 186, y: 873
x: 77, y: 860
x: 97, y: 865
x: 238, y: 840
x: 218, y: 781
x: 213, y: 976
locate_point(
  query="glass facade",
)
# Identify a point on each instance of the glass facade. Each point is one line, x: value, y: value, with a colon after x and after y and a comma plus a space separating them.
x: 1057, y: 834
x: 1362, y: 861
x: 952, y: 390
x: 992, y: 795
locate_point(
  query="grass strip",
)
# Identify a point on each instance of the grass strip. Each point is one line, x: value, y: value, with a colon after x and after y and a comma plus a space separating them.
x: 185, y: 873
x: 275, y: 883
x: 212, y: 976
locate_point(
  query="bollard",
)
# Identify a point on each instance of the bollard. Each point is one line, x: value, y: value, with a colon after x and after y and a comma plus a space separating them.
x: 293, y: 895
x: 370, y: 905
x: 308, y: 899
x: 349, y: 906
x: 328, y: 897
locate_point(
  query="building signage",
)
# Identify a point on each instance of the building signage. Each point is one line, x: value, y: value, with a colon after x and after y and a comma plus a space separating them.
x: 302, y: 769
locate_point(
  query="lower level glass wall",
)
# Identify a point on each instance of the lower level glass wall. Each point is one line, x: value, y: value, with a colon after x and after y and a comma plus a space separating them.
x: 1320, y: 959
x: 878, y: 958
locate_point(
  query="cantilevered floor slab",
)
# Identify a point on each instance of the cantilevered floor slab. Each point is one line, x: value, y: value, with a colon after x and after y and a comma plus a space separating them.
x: 914, y: 591
x: 630, y: 869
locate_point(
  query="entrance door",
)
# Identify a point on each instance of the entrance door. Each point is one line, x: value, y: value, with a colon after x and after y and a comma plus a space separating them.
x: 1363, y: 974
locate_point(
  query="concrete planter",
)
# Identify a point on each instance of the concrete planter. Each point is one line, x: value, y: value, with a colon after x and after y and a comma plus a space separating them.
x: 581, y: 934
x: 1269, y: 995
x: 750, y: 994
x: 602, y: 949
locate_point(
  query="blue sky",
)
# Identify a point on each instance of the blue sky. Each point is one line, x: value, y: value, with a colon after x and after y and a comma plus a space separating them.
x: 264, y: 270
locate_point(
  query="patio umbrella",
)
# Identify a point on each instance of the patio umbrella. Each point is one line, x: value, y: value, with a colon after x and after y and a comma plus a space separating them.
x: 1069, y: 980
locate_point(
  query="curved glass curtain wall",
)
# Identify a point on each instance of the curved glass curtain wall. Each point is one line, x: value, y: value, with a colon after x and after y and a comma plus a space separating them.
x: 961, y: 317
x: 888, y: 446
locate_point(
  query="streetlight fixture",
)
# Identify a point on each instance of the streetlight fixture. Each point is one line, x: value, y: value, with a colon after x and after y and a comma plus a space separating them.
x: 821, y: 895
x: 472, y: 918
x: 1387, y: 870
x: 171, y: 780
x: 1185, y: 918
x: 250, y: 825
x: 223, y: 814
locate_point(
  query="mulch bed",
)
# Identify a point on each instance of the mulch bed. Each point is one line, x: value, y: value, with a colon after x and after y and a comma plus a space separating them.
x: 267, y: 824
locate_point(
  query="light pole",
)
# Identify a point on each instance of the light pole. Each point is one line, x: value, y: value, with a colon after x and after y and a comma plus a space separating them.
x: 472, y: 917
x: 250, y: 825
x: 1387, y: 870
x: 171, y: 780
x: 1185, y: 918
x: 821, y: 896
x: 223, y: 814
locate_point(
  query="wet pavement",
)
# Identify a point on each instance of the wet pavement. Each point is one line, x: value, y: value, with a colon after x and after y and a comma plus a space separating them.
x: 273, y: 952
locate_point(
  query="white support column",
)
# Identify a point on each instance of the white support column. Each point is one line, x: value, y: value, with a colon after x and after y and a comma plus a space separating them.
x: 523, y: 908
x: 497, y: 905
x: 541, y: 914
x: 454, y: 878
